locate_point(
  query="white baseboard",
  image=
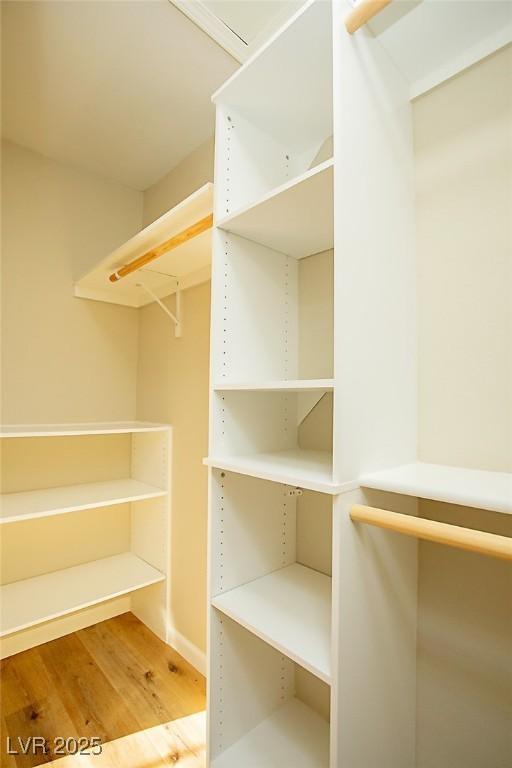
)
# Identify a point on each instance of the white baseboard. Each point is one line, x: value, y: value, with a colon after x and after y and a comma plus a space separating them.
x: 188, y: 650
x: 51, y: 630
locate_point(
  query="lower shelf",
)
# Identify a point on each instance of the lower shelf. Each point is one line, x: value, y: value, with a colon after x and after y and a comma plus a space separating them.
x: 42, y: 598
x: 290, y: 609
x: 293, y: 735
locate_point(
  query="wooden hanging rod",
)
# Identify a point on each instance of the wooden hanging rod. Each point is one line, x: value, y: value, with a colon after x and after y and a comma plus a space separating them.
x: 363, y: 12
x: 182, y: 237
x: 430, y: 530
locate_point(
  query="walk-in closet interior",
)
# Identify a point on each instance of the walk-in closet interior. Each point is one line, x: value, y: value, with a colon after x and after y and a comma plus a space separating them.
x: 256, y: 442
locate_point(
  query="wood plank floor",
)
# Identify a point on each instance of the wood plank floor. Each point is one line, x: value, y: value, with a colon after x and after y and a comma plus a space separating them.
x: 115, y: 680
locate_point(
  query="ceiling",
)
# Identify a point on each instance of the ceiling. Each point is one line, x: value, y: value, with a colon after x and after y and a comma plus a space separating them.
x: 120, y: 88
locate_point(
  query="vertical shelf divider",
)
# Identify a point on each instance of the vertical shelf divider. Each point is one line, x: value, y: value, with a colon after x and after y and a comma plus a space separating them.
x: 272, y: 294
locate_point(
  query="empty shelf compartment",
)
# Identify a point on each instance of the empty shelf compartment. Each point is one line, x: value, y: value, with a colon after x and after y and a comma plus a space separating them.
x: 265, y: 709
x: 291, y: 610
x: 293, y: 735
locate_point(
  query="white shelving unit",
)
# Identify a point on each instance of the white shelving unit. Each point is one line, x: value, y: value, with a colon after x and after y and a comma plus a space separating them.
x: 313, y: 619
x: 46, y: 604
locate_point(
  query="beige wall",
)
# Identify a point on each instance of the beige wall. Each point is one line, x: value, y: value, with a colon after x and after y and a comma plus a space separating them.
x: 194, y: 171
x: 172, y: 385
x: 64, y: 359
x: 463, y: 144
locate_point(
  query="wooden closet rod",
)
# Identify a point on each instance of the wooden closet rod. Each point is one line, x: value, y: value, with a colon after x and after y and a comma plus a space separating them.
x: 443, y: 533
x: 363, y: 12
x: 182, y: 237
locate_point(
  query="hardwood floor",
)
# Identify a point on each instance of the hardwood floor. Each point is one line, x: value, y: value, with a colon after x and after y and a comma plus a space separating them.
x: 115, y: 680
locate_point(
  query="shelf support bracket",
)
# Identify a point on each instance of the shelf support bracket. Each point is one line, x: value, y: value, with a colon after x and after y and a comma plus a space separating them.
x: 176, y: 318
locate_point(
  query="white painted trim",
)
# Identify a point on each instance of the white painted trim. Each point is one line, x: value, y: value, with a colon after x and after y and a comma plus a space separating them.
x: 65, y: 625
x: 187, y: 649
x: 214, y: 27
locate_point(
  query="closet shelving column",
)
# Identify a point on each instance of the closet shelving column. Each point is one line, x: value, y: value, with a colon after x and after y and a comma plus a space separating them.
x: 42, y: 605
x: 312, y: 412
x: 272, y: 480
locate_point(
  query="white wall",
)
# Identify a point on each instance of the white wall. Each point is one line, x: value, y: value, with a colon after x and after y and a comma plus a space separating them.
x: 172, y: 386
x: 194, y: 171
x: 64, y: 359
x: 463, y: 147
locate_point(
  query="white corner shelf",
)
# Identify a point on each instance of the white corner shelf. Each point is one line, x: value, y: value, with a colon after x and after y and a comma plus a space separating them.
x: 293, y: 735
x: 302, y: 468
x: 297, y: 218
x: 69, y: 430
x: 292, y: 385
x: 43, y: 598
x: 189, y: 263
x: 455, y: 485
x: 274, y: 607
x: 46, y: 502
x: 471, y: 32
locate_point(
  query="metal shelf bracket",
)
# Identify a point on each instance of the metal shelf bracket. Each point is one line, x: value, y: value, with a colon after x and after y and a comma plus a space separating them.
x: 176, y: 318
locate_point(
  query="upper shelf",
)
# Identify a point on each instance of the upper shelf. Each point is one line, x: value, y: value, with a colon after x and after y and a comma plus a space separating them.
x: 189, y: 263
x: 295, y: 105
x: 68, y: 430
x: 432, y: 41
x: 296, y: 218
x: 46, y: 502
x: 455, y: 485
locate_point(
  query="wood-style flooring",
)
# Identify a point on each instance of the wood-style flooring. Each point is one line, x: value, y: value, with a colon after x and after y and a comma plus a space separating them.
x: 115, y: 680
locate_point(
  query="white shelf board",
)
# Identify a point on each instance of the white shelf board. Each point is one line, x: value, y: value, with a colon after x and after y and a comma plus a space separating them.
x: 455, y: 485
x: 293, y: 735
x: 297, y: 218
x: 305, y: 469
x: 43, y: 598
x: 290, y: 609
x: 27, y: 505
x: 295, y: 103
x: 190, y: 262
x: 67, y: 430
x: 292, y: 385
x: 471, y: 31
